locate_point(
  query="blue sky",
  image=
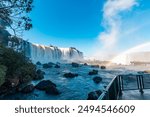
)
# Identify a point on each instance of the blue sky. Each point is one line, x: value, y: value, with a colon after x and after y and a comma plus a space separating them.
x: 78, y: 23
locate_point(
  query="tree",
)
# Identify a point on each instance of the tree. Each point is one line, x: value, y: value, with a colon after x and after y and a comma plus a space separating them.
x: 14, y: 14
x: 2, y: 74
x: 17, y: 66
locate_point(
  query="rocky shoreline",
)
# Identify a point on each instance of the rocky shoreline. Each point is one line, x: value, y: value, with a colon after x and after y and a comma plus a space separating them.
x: 12, y: 87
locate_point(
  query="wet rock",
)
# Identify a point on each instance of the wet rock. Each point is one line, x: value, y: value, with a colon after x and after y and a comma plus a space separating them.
x: 57, y: 66
x: 52, y: 90
x: 28, y: 89
x: 97, y: 79
x: 39, y: 75
x: 103, y: 67
x: 94, y: 95
x: 95, y: 66
x: 43, y: 85
x: 75, y: 64
x: 38, y: 63
x: 70, y: 75
x: 46, y: 66
x: 85, y: 64
x: 93, y: 72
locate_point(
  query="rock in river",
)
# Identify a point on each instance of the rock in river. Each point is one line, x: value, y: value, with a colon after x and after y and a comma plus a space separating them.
x: 97, y: 79
x: 52, y: 90
x: 70, y: 75
x: 43, y: 85
x: 94, y: 95
x: 93, y: 72
x: 75, y: 64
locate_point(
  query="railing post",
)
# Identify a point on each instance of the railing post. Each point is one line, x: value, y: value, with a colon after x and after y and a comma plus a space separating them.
x: 120, y: 89
x: 140, y: 84
x: 115, y: 89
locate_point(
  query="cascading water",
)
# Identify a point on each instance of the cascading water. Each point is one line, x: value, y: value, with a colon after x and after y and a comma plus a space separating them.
x: 45, y: 54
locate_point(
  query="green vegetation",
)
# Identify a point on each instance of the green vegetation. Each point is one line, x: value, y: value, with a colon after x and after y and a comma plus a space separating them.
x: 18, y: 66
x: 2, y: 74
x: 15, y: 68
x: 14, y: 14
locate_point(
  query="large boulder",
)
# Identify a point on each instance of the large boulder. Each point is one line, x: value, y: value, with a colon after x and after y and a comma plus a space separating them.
x: 70, y: 75
x: 52, y: 90
x: 94, y: 95
x: 93, y: 72
x: 48, y: 86
x: 97, y: 79
x: 43, y: 85
x: 75, y: 64
x: 28, y: 89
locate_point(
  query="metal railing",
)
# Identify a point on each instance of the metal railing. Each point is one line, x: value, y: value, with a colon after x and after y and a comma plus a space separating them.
x: 124, y: 82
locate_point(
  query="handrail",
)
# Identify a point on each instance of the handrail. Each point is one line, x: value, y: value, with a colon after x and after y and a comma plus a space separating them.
x: 114, y: 89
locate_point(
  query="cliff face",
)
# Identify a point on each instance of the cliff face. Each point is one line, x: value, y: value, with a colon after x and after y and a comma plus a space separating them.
x: 45, y: 54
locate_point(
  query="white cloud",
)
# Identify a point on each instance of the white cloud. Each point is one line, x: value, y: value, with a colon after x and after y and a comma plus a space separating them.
x: 112, y: 20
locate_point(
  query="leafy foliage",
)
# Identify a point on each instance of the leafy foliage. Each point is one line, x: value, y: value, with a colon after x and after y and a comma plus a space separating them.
x: 18, y: 66
x: 2, y: 74
x: 14, y: 14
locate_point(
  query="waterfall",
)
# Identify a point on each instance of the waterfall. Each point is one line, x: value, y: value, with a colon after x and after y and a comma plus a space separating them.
x: 45, y: 54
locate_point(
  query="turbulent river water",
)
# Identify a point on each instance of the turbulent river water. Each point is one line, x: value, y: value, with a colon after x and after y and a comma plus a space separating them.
x: 71, y: 89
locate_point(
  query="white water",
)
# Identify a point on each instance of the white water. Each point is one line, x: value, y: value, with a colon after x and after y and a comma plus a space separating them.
x: 140, y: 53
x: 45, y: 54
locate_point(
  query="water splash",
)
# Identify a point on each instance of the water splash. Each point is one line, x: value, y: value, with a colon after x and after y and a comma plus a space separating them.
x: 133, y: 54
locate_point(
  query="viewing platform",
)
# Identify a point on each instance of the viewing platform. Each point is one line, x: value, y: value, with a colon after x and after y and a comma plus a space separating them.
x: 135, y: 95
x: 128, y: 87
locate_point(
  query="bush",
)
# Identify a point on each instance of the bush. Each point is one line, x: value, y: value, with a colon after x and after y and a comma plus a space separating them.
x: 2, y: 74
x: 18, y: 66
